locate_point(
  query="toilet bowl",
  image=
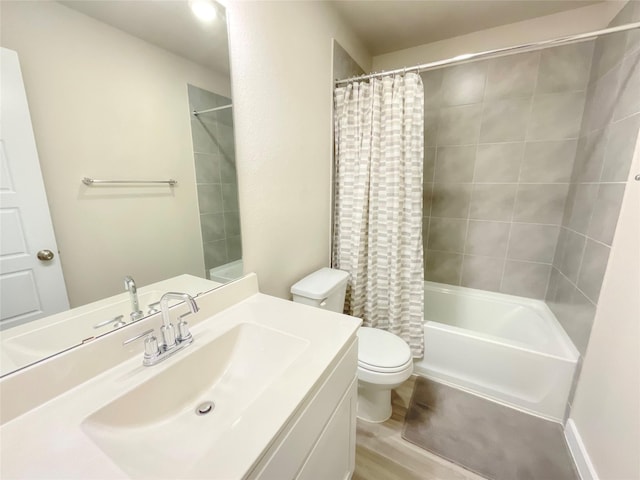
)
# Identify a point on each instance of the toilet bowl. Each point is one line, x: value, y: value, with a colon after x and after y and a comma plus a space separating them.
x: 384, y: 363
x: 384, y: 359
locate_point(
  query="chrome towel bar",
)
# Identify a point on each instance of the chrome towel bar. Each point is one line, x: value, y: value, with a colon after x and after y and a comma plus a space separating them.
x: 92, y: 181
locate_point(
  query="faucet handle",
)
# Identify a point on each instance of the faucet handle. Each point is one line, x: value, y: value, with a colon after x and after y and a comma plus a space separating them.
x: 150, y: 343
x: 117, y: 320
x: 183, y: 329
x: 154, y: 308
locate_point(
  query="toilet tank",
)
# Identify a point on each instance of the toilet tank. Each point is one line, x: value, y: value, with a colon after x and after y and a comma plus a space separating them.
x: 324, y: 288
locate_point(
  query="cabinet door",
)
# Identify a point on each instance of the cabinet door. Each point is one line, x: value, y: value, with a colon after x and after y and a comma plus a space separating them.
x: 333, y: 456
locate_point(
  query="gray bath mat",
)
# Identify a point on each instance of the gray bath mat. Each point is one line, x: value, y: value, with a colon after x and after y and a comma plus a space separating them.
x: 489, y: 439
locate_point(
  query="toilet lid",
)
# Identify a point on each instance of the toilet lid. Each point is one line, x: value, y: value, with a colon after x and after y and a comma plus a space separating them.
x: 380, y: 350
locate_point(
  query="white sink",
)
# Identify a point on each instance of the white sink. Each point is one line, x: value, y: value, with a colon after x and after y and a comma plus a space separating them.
x: 157, y: 419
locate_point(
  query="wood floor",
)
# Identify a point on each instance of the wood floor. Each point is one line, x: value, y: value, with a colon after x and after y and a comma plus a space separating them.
x: 382, y: 453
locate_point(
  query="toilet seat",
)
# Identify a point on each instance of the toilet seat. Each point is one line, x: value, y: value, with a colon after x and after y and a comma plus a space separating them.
x: 378, y: 369
x: 382, y: 352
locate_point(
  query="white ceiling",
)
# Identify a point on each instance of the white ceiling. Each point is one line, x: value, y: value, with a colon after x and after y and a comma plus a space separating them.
x: 386, y: 26
x: 168, y: 24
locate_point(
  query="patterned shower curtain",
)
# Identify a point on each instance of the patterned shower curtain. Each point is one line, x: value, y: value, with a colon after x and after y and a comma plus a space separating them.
x: 379, y: 147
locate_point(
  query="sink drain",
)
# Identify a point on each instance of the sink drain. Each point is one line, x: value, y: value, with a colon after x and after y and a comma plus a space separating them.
x: 204, y: 408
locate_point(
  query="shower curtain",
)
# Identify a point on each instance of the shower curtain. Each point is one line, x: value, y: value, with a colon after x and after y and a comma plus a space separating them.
x: 379, y: 147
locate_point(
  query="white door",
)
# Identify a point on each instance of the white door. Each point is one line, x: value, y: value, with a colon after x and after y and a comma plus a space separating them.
x: 31, y: 281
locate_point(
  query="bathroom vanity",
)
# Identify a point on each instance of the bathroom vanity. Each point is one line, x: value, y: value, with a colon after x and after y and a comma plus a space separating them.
x: 267, y: 390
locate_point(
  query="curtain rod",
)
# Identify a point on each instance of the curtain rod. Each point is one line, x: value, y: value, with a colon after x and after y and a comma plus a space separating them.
x: 579, y: 37
x: 200, y: 112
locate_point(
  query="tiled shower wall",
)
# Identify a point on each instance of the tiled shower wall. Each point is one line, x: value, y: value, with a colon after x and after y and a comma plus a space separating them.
x: 216, y: 179
x: 605, y: 149
x: 500, y: 142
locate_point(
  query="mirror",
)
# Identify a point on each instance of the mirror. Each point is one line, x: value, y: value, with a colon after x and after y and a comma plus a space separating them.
x: 112, y: 88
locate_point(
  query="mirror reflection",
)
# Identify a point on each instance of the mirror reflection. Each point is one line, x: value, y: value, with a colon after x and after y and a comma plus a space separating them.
x: 134, y: 97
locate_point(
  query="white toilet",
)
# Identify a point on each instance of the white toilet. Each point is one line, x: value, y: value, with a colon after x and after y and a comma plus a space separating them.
x: 384, y: 359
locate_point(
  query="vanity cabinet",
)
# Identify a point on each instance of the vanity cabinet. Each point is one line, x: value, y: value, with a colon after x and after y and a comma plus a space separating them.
x: 282, y: 376
x: 318, y: 443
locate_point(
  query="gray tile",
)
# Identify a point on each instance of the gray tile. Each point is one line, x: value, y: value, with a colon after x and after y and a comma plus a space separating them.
x: 450, y: 200
x: 512, y: 76
x: 232, y: 224
x: 548, y: 162
x: 608, y: 53
x: 525, y: 279
x: 210, y: 198
x: 429, y: 164
x: 572, y: 257
x: 583, y: 313
x: 498, y: 162
x: 202, y: 136
x: 505, y: 120
x: 487, y: 238
x: 425, y: 234
x: 564, y: 291
x: 574, y: 312
x: 594, y: 264
x: 558, y: 258
x: 582, y: 209
x: 228, y: 170
x: 443, y: 267
x: 455, y: 164
x: 432, y: 83
x: 225, y: 140
x: 565, y: 68
x: 590, y: 156
x: 459, y: 125
x: 483, y: 273
x: 447, y: 234
x: 533, y: 243
x: 225, y: 117
x: 431, y: 127
x: 215, y: 254
x: 629, y: 96
x: 601, y: 101
x: 633, y: 36
x: 200, y: 99
x: 552, y: 288
x: 492, y: 201
x: 606, y: 212
x: 207, y: 168
x: 556, y: 116
x: 212, y: 226
x: 463, y: 84
x: 621, y: 145
x: 234, y: 248
x: 542, y: 203
x: 427, y: 199
x: 568, y: 204
x: 230, y: 197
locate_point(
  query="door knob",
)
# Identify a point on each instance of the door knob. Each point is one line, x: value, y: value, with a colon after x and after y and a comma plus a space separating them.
x: 45, y: 255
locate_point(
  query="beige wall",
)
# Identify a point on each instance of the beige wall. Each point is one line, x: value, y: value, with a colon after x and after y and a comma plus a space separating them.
x: 107, y: 105
x: 606, y: 407
x: 579, y: 20
x: 281, y: 66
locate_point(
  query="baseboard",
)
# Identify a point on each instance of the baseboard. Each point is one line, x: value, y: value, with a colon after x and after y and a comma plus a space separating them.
x: 579, y: 452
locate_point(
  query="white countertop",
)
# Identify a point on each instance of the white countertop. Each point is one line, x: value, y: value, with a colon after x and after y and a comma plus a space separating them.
x: 49, y: 441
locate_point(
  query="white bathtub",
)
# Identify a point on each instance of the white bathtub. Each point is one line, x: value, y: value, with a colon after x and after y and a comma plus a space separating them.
x: 509, y: 349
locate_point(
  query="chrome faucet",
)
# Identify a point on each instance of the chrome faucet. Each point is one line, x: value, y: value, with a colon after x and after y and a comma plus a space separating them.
x: 130, y: 286
x: 167, y: 330
x: 154, y: 352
